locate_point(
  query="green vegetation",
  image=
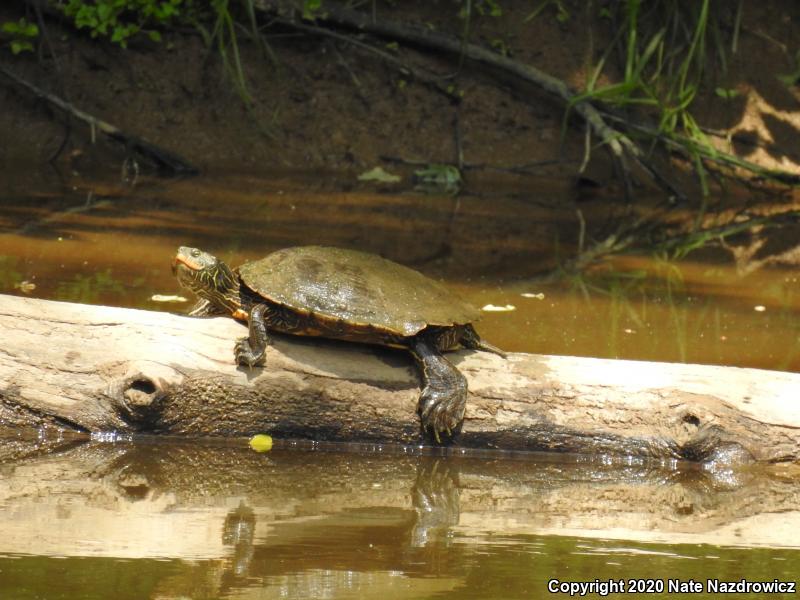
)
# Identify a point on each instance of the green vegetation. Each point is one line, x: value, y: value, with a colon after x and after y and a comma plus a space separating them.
x: 490, y: 8
x: 435, y: 179
x: 311, y: 8
x: 223, y: 35
x: 792, y: 78
x: 562, y: 15
x: 119, y: 20
x: 667, y: 46
x: 20, y: 34
x: 261, y: 442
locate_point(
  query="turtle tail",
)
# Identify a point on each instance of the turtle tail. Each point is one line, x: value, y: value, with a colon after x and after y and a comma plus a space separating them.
x: 470, y: 339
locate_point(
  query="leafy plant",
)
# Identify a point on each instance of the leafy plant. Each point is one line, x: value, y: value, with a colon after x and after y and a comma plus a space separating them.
x: 792, y: 78
x: 223, y: 35
x: 726, y: 93
x: 378, y: 174
x: 489, y: 8
x: 120, y: 20
x: 311, y: 8
x: 665, y: 48
x: 438, y: 179
x: 220, y: 22
x: 21, y: 34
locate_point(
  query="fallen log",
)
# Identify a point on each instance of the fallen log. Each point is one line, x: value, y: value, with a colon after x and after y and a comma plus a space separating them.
x: 97, y: 368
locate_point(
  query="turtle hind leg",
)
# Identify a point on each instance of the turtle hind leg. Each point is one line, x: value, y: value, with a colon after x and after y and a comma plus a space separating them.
x: 443, y: 400
x: 251, y: 351
x: 470, y: 339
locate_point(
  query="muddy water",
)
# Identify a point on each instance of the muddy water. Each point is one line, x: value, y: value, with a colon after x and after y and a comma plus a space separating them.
x: 146, y: 519
x: 175, y: 520
x: 104, y: 243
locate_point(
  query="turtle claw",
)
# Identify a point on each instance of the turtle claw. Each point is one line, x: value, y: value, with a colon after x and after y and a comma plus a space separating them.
x: 245, y: 356
x: 441, y: 411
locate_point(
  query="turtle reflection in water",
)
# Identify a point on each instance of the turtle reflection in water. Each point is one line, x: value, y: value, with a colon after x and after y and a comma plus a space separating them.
x: 345, y: 295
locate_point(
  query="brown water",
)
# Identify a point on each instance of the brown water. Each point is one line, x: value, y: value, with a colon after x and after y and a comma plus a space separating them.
x: 179, y: 520
x: 155, y: 519
x: 94, y: 243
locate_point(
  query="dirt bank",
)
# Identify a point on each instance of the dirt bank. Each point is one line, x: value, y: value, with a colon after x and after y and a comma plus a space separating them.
x: 329, y: 104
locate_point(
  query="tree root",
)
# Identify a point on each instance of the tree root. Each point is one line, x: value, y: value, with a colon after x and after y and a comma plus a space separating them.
x: 623, y: 150
x: 403, y: 67
x: 727, y: 161
x: 166, y: 161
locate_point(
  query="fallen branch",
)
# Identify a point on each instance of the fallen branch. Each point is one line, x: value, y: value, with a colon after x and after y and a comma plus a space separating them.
x: 164, y: 159
x: 95, y: 368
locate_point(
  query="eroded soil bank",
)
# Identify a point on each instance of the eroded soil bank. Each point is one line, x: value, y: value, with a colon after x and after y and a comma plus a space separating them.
x: 329, y: 104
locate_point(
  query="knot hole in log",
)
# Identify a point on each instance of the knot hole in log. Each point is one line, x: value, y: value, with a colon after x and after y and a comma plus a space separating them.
x: 141, y: 397
x: 712, y: 446
x: 689, y: 427
x: 134, y: 485
x: 691, y: 420
x: 140, y: 390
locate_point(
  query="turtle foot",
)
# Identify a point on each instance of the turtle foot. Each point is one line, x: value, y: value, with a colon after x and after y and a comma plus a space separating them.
x: 246, y: 356
x: 441, y: 409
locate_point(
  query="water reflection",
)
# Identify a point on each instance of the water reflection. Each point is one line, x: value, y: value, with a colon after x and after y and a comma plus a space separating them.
x: 234, y: 523
x: 238, y: 533
x: 435, y: 498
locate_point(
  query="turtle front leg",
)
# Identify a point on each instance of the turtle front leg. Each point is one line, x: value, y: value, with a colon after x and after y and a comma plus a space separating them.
x: 251, y: 351
x: 206, y: 308
x: 444, y: 393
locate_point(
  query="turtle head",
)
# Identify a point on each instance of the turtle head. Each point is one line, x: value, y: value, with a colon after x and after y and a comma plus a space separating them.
x: 208, y: 277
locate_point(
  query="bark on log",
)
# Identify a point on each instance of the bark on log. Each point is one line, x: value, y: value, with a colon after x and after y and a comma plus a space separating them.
x: 99, y: 368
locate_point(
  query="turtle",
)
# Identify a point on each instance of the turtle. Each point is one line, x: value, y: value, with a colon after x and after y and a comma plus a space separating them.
x: 347, y: 295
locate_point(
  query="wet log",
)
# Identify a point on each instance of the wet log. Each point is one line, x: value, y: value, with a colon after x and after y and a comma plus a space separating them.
x: 97, y: 368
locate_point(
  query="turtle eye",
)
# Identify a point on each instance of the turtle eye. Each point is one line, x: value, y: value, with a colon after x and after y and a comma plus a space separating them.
x: 195, y: 252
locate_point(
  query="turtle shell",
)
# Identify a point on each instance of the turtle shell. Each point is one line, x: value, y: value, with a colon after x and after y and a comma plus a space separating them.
x: 355, y: 288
